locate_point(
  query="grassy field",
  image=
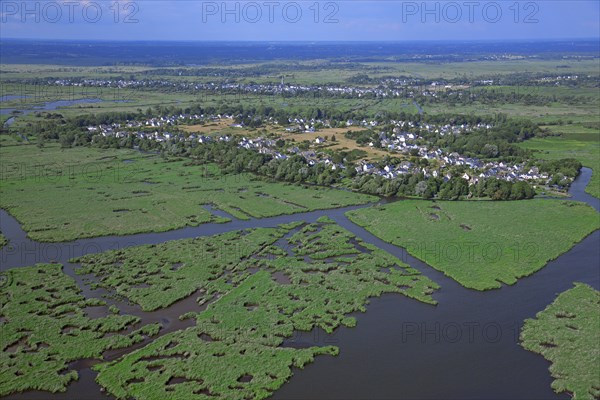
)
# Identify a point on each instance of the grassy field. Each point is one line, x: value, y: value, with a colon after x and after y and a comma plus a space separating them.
x: 482, y: 69
x: 262, y: 286
x: 482, y: 244
x: 576, y: 142
x: 45, y: 326
x: 566, y: 334
x: 63, y: 194
x: 535, y: 113
x: 420, y: 70
x: 3, y: 240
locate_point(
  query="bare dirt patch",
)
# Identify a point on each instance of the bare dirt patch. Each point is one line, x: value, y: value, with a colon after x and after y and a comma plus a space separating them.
x: 209, y: 127
x: 341, y: 141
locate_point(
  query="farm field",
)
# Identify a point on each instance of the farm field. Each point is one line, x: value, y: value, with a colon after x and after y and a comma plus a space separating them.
x: 481, y: 244
x: 566, y: 334
x: 64, y: 194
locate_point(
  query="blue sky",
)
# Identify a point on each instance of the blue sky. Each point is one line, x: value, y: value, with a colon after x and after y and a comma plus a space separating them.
x: 274, y: 20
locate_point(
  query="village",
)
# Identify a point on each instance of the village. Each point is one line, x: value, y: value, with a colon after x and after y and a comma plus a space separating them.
x: 416, y: 155
x: 385, y: 88
x: 377, y: 88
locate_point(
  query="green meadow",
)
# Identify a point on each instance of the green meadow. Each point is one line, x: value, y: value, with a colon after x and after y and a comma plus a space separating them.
x: 484, y: 244
x: 64, y: 194
x: 566, y: 334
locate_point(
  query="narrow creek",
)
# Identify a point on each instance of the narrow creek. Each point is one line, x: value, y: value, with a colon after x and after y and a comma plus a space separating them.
x: 465, y: 347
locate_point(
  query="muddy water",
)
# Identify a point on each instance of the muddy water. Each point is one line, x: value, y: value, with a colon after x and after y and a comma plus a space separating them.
x: 466, y: 347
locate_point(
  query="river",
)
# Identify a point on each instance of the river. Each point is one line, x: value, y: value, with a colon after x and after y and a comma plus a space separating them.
x: 465, y: 347
x: 46, y: 106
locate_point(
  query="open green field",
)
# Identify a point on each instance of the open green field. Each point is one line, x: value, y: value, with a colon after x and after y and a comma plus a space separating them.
x: 421, y: 70
x: 566, y: 334
x: 64, y: 194
x: 576, y: 142
x: 45, y: 326
x: 536, y: 113
x: 483, y: 69
x: 298, y: 277
x: 588, y: 93
x: 481, y: 245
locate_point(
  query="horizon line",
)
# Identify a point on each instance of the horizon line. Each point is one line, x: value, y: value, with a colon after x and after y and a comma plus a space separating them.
x: 307, y: 41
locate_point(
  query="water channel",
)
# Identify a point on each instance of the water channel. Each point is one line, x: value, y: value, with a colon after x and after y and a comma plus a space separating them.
x: 465, y: 347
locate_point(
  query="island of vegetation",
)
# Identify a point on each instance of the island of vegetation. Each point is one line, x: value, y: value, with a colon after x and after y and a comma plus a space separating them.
x: 261, y: 286
x: 45, y: 327
x: 481, y: 244
x: 566, y: 334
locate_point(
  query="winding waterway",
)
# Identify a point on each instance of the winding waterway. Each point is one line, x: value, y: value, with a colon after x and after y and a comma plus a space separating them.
x: 45, y: 106
x: 465, y: 347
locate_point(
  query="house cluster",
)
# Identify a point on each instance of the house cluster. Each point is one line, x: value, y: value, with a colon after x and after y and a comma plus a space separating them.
x: 176, y: 119
x: 345, y: 91
x: 475, y: 171
x: 305, y: 124
x: 400, y: 140
x: 513, y: 173
x: 558, y: 79
x: 449, y: 129
x: 397, y: 141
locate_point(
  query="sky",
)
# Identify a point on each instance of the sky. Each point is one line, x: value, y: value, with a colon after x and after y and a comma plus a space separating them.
x: 274, y: 20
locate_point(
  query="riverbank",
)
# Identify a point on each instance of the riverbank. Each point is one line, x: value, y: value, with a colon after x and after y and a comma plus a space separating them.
x: 396, y: 337
x: 482, y: 245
